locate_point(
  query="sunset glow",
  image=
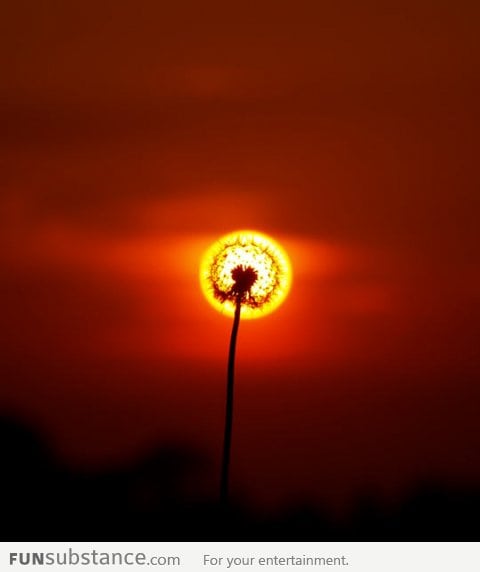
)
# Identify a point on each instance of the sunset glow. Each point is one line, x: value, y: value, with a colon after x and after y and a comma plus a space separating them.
x: 246, y: 249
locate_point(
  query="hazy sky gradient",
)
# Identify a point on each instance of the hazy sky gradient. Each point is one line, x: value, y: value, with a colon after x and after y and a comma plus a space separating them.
x: 134, y: 135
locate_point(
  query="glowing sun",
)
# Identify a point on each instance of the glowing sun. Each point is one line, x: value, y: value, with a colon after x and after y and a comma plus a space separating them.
x: 246, y: 266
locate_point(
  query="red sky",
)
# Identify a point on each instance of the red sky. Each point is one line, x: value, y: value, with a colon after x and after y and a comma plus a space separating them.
x: 134, y: 135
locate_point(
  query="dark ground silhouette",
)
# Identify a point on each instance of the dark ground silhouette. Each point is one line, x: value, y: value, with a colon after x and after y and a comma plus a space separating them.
x: 41, y: 499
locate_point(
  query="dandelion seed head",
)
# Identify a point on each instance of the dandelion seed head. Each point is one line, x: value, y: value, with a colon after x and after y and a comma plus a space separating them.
x: 246, y: 266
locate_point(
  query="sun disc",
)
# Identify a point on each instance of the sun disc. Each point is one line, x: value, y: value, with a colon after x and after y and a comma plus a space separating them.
x: 254, y: 251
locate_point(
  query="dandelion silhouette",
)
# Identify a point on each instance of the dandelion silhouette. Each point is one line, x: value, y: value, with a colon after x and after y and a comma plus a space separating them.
x: 244, y: 272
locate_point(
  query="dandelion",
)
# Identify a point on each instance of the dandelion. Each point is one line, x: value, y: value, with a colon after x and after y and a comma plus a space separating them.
x: 226, y: 264
x: 244, y: 273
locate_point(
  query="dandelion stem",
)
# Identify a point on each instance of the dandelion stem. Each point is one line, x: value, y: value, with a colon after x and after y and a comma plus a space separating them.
x: 227, y: 440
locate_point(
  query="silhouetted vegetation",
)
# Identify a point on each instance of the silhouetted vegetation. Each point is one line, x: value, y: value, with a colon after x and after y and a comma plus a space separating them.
x: 43, y: 500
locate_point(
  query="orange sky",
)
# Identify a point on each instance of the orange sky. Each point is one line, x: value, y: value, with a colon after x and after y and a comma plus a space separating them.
x: 133, y: 136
